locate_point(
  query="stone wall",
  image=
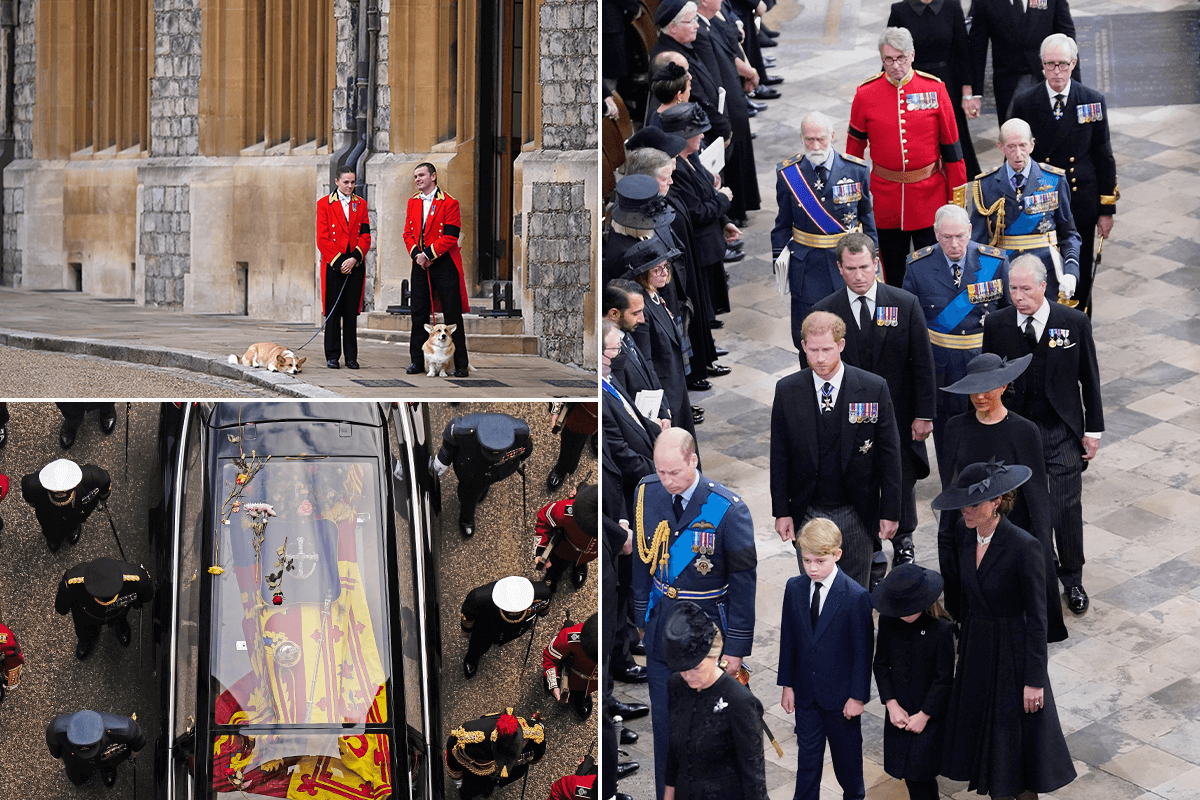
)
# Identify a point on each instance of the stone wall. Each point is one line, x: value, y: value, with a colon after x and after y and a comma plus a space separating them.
x: 10, y: 262
x: 24, y: 94
x: 559, y: 268
x: 568, y: 74
x: 165, y: 243
x: 175, y: 87
x: 345, y: 18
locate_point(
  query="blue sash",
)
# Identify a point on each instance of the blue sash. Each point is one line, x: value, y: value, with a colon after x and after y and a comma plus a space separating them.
x: 961, y: 306
x: 712, y: 512
x: 825, y: 222
x: 1027, y: 223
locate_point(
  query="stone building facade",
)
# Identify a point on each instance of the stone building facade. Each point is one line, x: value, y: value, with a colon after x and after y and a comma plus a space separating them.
x: 174, y: 151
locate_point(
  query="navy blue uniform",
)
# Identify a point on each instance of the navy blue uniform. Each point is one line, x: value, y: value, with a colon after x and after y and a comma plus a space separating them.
x: 475, y: 468
x: 122, y: 735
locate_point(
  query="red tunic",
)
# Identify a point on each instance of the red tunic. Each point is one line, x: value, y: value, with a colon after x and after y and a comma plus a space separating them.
x: 575, y: 546
x: 583, y: 673
x: 437, y: 237
x: 339, y: 238
x: 573, y: 787
x: 10, y: 651
x: 908, y: 127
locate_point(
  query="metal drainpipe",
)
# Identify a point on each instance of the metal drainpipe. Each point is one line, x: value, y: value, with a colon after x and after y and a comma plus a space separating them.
x: 348, y: 153
x: 8, y: 20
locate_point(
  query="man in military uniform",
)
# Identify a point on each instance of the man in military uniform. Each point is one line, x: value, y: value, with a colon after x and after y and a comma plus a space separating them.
x: 101, y: 592
x: 562, y: 543
x: 695, y: 541
x: 11, y: 660
x: 821, y: 195
x: 484, y: 449
x: 1025, y: 207
x: 73, y: 414
x: 499, y: 612
x: 1069, y: 123
x: 494, y: 750
x: 916, y: 160
x: 87, y: 741
x: 577, y: 423
x: 63, y: 496
x: 957, y: 283
x: 572, y: 655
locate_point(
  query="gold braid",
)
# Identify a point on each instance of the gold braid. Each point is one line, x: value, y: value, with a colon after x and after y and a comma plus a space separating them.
x: 996, y: 208
x: 658, y: 551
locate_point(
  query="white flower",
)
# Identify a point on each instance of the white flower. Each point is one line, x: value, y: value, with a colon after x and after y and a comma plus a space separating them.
x: 257, y: 509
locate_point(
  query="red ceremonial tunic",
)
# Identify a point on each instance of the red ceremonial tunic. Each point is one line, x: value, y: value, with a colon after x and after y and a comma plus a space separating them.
x: 575, y: 546
x: 573, y: 787
x: 437, y: 236
x: 339, y: 238
x: 583, y: 673
x: 908, y: 128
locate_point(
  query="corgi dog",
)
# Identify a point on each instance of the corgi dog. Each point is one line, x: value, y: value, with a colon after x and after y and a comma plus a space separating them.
x: 274, y: 357
x: 439, y: 350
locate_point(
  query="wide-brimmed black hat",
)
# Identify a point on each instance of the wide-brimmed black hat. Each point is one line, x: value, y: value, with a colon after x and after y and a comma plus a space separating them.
x: 646, y: 255
x: 639, y: 205
x: 907, y: 589
x: 979, y: 482
x: 85, y: 732
x: 668, y: 10
x: 988, y: 371
x: 653, y: 136
x: 104, y: 577
x: 687, y: 637
x: 685, y: 119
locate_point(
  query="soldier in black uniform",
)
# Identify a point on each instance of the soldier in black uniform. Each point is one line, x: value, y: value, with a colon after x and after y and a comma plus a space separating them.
x: 576, y: 424
x: 494, y: 750
x: 63, y: 496
x: 73, y: 418
x: 87, y: 741
x: 499, y: 612
x: 100, y: 593
x: 484, y: 449
x: 3, y: 424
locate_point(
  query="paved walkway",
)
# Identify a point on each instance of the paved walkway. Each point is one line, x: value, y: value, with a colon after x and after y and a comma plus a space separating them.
x: 1124, y: 683
x: 78, y: 323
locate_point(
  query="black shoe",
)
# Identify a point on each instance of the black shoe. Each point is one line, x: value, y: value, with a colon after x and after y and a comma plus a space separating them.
x: 766, y: 41
x: 467, y: 527
x: 124, y: 634
x: 770, y: 80
x: 3, y: 435
x: 766, y: 93
x: 697, y: 417
x: 632, y: 674
x: 903, y: 554
x: 82, y: 650
x: 762, y: 26
x: 737, y: 244
x: 109, y: 776
x: 625, y: 769
x: 768, y: 61
x: 66, y: 437
x: 622, y: 796
x: 628, y: 736
x: 583, y: 710
x: 332, y: 363
x: 638, y: 649
x: 462, y: 372
x: 108, y: 423
x: 579, y: 575
x: 699, y: 386
x: 732, y: 256
x: 716, y: 323
x: 720, y: 351
x: 717, y: 370
x: 751, y: 112
x: 1077, y: 600
x: 75, y: 534
x: 555, y: 479
x: 757, y: 106
x: 469, y: 669
x: 351, y: 365
x: 413, y: 369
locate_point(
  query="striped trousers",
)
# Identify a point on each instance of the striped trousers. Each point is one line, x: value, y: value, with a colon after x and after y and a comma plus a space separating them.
x: 1063, y: 453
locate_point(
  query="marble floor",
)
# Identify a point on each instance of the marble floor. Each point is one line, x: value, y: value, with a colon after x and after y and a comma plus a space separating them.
x: 1127, y: 697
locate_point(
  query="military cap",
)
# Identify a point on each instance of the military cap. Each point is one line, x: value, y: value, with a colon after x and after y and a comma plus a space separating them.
x: 85, y: 732
x: 513, y: 594
x: 61, y: 475
x: 104, y: 577
x: 495, y: 434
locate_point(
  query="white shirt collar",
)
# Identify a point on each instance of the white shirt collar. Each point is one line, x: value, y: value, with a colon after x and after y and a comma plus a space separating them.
x: 870, y: 295
x: 1066, y: 92
x: 345, y: 198
x: 1010, y: 172
x: 1040, y: 317
x: 825, y: 584
x: 836, y: 380
x: 688, y: 492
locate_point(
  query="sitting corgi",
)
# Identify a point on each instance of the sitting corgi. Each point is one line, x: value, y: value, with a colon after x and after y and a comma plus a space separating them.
x: 272, y: 356
x: 439, y: 350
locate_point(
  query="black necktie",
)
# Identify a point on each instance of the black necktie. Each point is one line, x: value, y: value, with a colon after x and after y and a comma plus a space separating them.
x: 677, y: 505
x: 1019, y: 6
x: 814, y: 610
x: 864, y: 322
x: 821, y: 173
x: 1018, y: 182
x: 957, y: 274
x: 827, y: 397
x: 1058, y: 106
x: 1030, y: 334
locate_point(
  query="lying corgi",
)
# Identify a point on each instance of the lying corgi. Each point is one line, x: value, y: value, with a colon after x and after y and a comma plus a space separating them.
x: 272, y: 356
x: 439, y: 350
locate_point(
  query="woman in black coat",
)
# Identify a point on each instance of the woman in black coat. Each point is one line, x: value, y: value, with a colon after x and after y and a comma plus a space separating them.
x: 939, y: 32
x: 1003, y: 735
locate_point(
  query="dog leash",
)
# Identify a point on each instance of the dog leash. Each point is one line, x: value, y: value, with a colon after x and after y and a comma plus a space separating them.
x: 335, y: 303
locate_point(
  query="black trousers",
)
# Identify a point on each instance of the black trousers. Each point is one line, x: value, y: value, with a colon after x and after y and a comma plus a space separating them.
x: 442, y: 276
x: 1087, y: 267
x: 570, y: 448
x: 73, y: 412
x: 894, y: 247
x: 471, y: 491
x: 341, y: 329
x: 88, y: 630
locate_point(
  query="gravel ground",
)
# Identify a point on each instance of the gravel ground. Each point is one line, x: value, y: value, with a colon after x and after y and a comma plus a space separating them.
x: 503, y: 545
x: 36, y: 373
x: 112, y: 677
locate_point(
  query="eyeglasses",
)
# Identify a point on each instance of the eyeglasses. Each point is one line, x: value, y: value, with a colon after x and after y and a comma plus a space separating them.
x: 889, y: 61
x: 1057, y: 66
x: 661, y: 269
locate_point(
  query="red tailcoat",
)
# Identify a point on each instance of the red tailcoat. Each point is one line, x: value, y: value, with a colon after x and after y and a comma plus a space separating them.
x: 574, y: 546
x: 438, y: 236
x: 908, y: 127
x: 583, y: 674
x: 573, y: 787
x: 10, y: 651
x: 339, y: 238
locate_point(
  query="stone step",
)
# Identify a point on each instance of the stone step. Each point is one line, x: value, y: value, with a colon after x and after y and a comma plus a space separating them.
x: 475, y: 324
x: 502, y: 344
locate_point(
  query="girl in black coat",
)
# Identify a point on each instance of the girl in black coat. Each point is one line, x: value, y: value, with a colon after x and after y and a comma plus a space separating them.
x: 914, y: 670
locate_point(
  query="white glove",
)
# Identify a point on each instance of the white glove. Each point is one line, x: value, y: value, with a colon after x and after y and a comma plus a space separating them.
x: 1067, y: 285
x: 437, y: 467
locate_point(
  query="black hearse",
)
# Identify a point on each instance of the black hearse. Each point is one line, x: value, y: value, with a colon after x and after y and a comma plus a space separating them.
x: 296, y: 627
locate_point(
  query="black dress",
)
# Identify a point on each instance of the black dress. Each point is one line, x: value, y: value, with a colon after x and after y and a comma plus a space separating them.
x: 716, y: 749
x: 1013, y: 440
x: 990, y: 741
x: 939, y: 32
x: 914, y: 665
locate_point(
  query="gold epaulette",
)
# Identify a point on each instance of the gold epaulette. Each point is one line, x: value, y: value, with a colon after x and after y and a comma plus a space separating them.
x: 793, y: 160
x: 467, y: 737
x: 924, y: 251
x: 74, y: 581
x: 988, y: 250
x: 1052, y: 169
x: 873, y: 77
x: 854, y: 159
x: 131, y: 577
x: 927, y: 75
x: 536, y: 733
x: 989, y: 172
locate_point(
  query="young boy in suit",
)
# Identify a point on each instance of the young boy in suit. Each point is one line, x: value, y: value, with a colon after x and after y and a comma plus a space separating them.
x: 825, y: 648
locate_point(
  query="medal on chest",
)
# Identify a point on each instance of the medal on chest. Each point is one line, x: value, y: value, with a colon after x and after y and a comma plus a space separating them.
x: 985, y: 292
x: 1089, y: 112
x: 704, y: 542
x: 864, y: 412
x: 847, y: 191
x: 887, y: 316
x: 920, y: 101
